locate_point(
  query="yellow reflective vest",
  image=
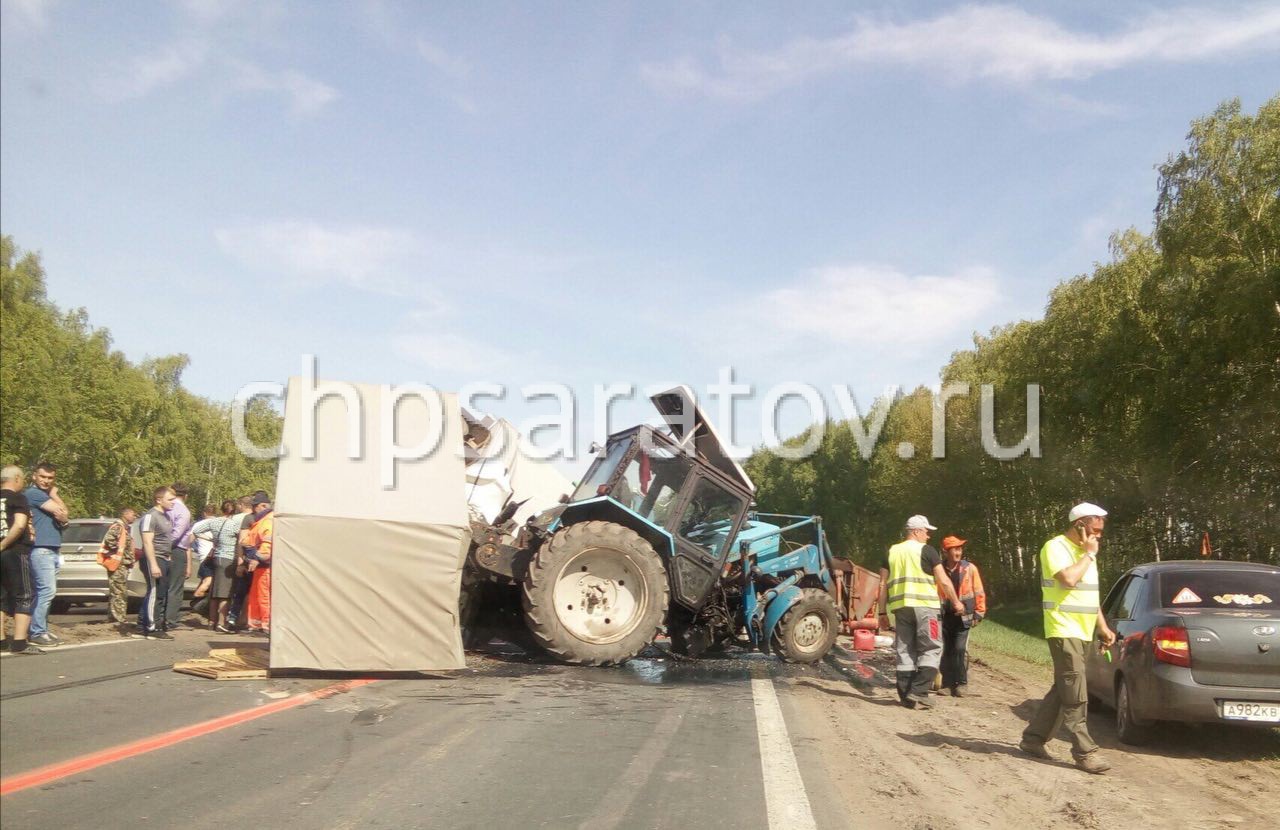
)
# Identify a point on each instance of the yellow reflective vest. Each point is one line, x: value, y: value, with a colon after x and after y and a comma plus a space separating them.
x: 1068, y: 612
x: 909, y: 586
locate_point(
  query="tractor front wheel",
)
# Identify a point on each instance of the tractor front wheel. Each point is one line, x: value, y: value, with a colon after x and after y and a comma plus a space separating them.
x: 596, y: 594
x: 807, y: 631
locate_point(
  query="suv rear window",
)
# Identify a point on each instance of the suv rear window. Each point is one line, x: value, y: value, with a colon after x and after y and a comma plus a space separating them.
x: 1220, y: 589
x: 84, y: 533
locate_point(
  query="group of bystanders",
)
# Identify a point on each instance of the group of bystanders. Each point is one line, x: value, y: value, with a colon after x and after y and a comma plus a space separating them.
x: 229, y: 547
x: 916, y: 584
x: 230, y: 550
x: 30, y: 535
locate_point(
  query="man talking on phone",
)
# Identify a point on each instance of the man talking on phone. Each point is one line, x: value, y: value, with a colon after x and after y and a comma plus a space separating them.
x: 1069, y: 594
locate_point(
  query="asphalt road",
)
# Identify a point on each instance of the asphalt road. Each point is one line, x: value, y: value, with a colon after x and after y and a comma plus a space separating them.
x: 507, y: 742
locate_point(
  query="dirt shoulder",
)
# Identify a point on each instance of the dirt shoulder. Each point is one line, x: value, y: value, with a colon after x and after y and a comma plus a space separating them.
x: 89, y: 623
x: 958, y: 765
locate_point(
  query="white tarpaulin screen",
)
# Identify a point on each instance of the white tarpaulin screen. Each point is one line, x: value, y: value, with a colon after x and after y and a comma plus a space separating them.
x: 366, y: 577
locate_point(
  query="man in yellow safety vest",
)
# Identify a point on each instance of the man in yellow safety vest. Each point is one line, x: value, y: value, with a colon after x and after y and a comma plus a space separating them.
x: 911, y: 580
x: 1069, y: 598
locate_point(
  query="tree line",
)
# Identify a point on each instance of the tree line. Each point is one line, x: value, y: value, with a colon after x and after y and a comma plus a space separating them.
x: 1159, y: 379
x: 116, y: 430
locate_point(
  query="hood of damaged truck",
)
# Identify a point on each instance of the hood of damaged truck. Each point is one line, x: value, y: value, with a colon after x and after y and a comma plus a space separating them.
x: 499, y: 470
x: 681, y: 411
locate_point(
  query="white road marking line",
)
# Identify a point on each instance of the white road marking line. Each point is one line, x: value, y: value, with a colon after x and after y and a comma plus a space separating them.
x: 786, y: 801
x: 69, y: 646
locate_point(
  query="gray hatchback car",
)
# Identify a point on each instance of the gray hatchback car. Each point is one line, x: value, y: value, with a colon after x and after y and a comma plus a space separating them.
x: 1196, y: 641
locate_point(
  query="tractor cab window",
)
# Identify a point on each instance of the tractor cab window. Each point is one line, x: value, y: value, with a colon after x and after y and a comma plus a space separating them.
x: 709, y: 517
x: 602, y: 469
x: 652, y: 482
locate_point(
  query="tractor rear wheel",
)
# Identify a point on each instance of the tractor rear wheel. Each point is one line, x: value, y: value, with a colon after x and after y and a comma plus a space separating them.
x: 808, y: 629
x: 596, y: 594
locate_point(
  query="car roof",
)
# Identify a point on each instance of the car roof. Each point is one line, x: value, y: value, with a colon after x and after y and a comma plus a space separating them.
x: 1202, y: 565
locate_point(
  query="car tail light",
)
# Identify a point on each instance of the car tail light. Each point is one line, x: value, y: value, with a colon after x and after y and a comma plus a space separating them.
x: 1171, y: 645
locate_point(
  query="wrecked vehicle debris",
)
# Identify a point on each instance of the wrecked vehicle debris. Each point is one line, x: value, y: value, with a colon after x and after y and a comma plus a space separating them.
x: 659, y: 534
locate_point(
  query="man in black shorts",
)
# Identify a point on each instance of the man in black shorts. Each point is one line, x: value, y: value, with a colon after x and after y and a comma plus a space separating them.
x: 16, y: 589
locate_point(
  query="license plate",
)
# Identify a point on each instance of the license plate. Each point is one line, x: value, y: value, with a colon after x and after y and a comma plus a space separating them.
x: 1241, y: 710
x: 79, y: 557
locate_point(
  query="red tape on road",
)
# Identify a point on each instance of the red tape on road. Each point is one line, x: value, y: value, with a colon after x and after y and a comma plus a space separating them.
x: 93, y: 760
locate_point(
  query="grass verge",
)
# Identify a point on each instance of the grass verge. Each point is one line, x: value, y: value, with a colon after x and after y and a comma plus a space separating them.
x: 1013, y: 631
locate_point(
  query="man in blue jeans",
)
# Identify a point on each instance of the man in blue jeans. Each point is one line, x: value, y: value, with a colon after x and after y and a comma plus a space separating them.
x: 48, y: 515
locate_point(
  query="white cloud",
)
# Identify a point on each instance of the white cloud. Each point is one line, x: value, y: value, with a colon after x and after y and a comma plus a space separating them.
x: 873, y: 305
x: 26, y: 16
x: 306, y: 95
x: 364, y: 257
x: 177, y: 62
x: 1000, y: 43
x: 455, y: 70
x: 1065, y: 102
x: 146, y: 73
x: 211, y: 11
x: 451, y: 65
x: 437, y: 349
x: 876, y: 304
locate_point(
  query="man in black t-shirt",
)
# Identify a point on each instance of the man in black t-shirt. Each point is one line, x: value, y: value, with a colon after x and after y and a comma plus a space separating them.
x: 157, y: 548
x: 16, y: 589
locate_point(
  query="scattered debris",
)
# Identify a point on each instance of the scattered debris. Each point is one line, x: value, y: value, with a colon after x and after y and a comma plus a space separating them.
x: 241, y: 663
x: 1081, y: 815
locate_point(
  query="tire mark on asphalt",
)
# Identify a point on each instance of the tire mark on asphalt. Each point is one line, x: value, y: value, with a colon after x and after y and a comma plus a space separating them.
x: 618, y: 798
x: 335, y: 769
x: 88, y: 681
x: 369, y: 802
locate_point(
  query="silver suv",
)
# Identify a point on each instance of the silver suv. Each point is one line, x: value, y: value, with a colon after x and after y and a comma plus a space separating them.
x: 81, y: 579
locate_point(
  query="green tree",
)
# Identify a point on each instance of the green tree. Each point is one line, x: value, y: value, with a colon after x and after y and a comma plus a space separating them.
x: 114, y: 429
x: 1160, y: 392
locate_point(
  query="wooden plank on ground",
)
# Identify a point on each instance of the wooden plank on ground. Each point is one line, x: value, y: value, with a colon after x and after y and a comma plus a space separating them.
x: 228, y: 664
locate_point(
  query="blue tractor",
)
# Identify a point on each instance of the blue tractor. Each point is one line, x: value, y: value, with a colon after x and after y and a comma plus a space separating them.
x: 658, y: 534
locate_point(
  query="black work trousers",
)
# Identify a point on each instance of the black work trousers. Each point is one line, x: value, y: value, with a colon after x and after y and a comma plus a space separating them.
x: 955, y: 645
x: 177, y: 585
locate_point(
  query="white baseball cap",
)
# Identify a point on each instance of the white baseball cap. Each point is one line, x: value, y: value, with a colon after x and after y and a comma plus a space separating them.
x: 1085, y: 510
x: 919, y: 523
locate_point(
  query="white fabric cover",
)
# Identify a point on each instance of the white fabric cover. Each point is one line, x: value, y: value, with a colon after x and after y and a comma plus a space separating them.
x: 366, y: 578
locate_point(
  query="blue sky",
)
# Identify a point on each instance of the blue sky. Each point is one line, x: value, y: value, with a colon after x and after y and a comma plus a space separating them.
x: 592, y: 193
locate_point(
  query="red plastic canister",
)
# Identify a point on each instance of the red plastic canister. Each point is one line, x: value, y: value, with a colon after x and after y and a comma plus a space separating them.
x: 864, y: 639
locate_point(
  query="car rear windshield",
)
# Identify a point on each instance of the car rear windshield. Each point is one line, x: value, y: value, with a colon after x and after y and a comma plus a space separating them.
x: 84, y: 533
x: 1220, y: 589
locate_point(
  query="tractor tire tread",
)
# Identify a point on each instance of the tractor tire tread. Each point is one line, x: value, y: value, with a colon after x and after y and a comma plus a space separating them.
x: 542, y: 571
x: 810, y: 598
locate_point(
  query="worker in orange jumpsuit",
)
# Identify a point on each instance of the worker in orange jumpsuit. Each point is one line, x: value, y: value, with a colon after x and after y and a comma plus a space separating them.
x: 257, y: 563
x: 955, y: 627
